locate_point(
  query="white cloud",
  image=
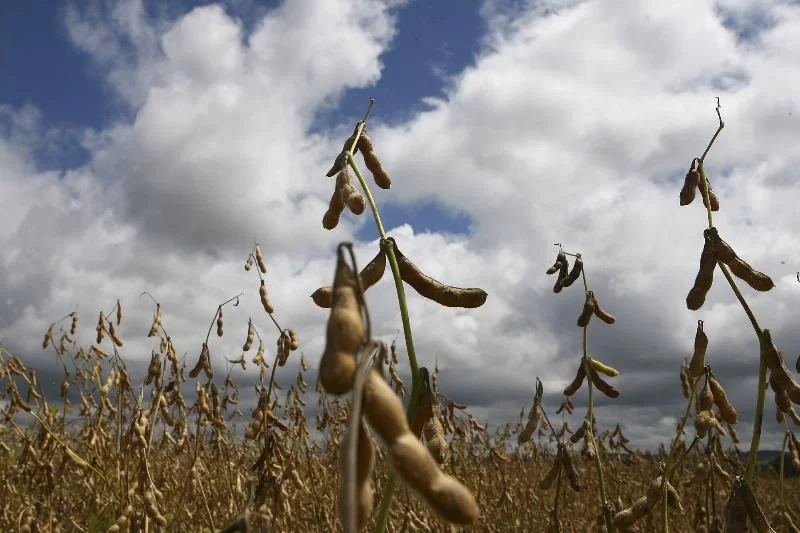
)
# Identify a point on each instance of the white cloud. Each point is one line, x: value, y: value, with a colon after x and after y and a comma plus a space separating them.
x: 573, y: 127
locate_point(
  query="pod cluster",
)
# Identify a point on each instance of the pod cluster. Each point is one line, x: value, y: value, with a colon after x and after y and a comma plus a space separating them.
x: 715, y: 249
x: 383, y: 411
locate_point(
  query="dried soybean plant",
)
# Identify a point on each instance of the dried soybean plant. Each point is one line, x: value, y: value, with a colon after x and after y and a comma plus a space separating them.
x: 562, y: 462
x: 342, y: 370
x: 403, y: 269
x: 717, y: 252
x: 706, y: 420
x: 588, y: 365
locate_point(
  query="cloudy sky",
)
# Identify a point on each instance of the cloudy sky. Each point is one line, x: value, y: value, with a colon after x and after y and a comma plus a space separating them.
x: 145, y: 147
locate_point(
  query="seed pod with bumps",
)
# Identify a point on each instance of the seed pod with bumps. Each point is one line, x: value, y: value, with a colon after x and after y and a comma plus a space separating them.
x: 428, y: 287
x: 736, y: 509
x: 705, y: 276
x: 260, y: 260
x: 741, y: 269
x: 341, y: 160
x: 575, y: 273
x: 691, y: 183
x: 113, y: 335
x: 220, y: 323
x: 345, y: 332
x: 562, y: 275
x: 251, y: 331
x: 625, y: 518
x: 409, y: 458
x: 601, y: 385
x: 350, y: 195
x: 380, y: 176
x: 156, y: 322
x: 726, y: 408
x: 697, y: 364
x: 569, y: 469
x: 547, y: 482
x: 561, y: 258
x: 579, y: 433
x: 706, y: 399
x: 588, y: 310
x: 294, y: 339
x: 780, y: 372
x: 754, y: 511
x: 262, y: 291
x: 600, y: 313
x: 576, y: 383
x: 370, y: 275
x: 47, y: 338
x: 365, y: 460
x: 119, y: 313
x: 101, y: 328
x: 702, y: 421
x: 249, y: 263
x: 331, y: 217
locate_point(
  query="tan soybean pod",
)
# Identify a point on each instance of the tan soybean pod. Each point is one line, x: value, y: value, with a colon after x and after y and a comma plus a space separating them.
x: 370, y: 275
x: 341, y: 160
x: 698, y: 362
x: 344, y: 335
x: 573, y: 387
x: 600, y: 313
x: 251, y: 331
x: 702, y: 421
x: 415, y: 465
x: 547, y: 481
x: 260, y: 260
x: 780, y: 372
x: 691, y: 182
x: 569, y: 470
x: 706, y: 400
x: 331, y: 217
x: 740, y: 268
x: 601, y: 385
x: 726, y: 409
x: 428, y: 287
x: 625, y: 518
x: 575, y: 273
x: 578, y: 435
x: 736, y: 509
x: 705, y: 276
x: 588, y: 310
x: 365, y: 461
x: 350, y: 195
x: 562, y: 275
x: 262, y: 291
x: 754, y: 511
x: 560, y: 258
x: 372, y: 162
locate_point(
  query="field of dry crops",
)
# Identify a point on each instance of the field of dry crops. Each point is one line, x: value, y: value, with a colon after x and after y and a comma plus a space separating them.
x: 180, y: 450
x: 138, y: 461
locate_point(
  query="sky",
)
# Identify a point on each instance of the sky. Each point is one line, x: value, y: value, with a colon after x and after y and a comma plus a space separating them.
x: 145, y: 146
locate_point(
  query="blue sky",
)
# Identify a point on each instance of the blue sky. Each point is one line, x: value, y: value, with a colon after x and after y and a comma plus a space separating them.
x: 43, y: 68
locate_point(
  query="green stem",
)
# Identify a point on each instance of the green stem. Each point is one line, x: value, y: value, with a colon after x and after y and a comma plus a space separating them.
x: 386, y: 499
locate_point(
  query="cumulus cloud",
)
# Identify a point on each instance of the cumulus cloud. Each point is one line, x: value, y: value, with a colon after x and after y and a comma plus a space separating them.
x: 575, y: 124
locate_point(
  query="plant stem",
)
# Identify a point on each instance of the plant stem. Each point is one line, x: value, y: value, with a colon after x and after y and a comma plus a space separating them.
x: 386, y: 499
x: 667, y: 464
